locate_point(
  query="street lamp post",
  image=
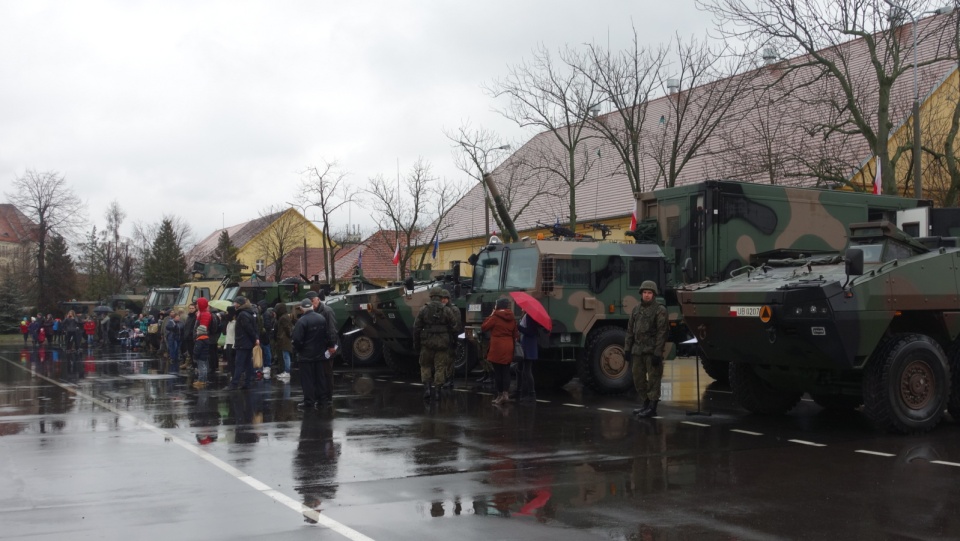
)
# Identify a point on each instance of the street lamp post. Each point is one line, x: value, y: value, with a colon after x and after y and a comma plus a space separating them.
x: 486, y: 204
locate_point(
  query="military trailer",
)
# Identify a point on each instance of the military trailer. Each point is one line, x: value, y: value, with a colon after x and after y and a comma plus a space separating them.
x: 878, y: 326
x: 589, y: 289
x: 710, y: 228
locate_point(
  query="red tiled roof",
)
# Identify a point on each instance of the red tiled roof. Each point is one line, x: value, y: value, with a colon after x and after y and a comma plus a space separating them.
x: 15, y: 226
x: 606, y: 193
x: 377, y: 259
x: 240, y: 235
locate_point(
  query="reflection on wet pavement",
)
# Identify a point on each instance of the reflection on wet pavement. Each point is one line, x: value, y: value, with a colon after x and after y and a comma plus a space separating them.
x: 574, y: 465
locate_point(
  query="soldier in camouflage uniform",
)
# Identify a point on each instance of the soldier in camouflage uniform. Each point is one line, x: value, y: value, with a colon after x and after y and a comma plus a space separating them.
x: 646, y: 337
x: 445, y: 299
x: 431, y: 335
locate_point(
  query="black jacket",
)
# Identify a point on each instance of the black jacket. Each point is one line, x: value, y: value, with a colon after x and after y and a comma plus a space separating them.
x: 310, y: 337
x: 246, y: 331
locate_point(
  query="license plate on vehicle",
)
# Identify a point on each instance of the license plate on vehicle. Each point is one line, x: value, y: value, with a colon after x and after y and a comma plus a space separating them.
x: 745, y: 311
x: 473, y: 308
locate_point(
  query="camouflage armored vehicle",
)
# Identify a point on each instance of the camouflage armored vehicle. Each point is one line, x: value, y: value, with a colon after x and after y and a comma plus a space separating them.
x: 710, y: 228
x: 382, y: 321
x: 160, y: 298
x: 878, y: 326
x: 589, y: 289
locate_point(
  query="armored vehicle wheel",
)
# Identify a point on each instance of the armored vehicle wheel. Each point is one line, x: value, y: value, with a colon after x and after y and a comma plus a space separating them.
x: 465, y: 357
x: 837, y: 402
x: 906, y: 384
x: 953, y: 359
x: 602, y: 366
x: 758, y: 396
x: 400, y: 363
x: 718, y: 370
x: 363, y: 350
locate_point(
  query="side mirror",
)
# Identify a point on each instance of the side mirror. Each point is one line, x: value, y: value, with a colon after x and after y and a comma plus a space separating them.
x: 853, y: 261
x: 688, y: 270
x: 473, y: 259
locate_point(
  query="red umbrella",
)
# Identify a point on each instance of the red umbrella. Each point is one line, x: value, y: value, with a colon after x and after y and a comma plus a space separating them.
x: 533, y: 308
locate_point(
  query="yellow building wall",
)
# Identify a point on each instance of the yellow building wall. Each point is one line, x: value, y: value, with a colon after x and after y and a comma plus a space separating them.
x: 250, y: 252
x: 460, y: 250
x: 935, y: 117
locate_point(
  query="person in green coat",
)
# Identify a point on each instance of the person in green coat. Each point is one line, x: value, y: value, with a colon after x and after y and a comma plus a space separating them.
x: 283, y: 342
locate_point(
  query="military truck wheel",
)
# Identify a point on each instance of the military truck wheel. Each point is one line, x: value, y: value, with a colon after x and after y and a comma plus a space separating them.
x: 758, y: 396
x: 906, y: 384
x: 602, y: 366
x: 362, y: 350
x: 465, y: 357
x: 837, y: 402
x: 718, y: 370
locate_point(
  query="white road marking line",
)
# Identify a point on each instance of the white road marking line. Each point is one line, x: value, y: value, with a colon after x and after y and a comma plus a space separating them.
x: 610, y: 410
x: 574, y: 405
x: 747, y: 432
x: 401, y: 382
x: 810, y: 443
x: 484, y: 394
x: 691, y: 423
x: 462, y: 390
x: 416, y: 384
x: 945, y: 463
x: 875, y: 453
x: 543, y: 401
x: 261, y: 487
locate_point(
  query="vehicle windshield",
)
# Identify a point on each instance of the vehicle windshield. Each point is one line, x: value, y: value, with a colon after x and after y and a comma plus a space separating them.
x: 229, y: 293
x: 521, y: 269
x: 165, y: 299
x: 183, y: 297
x: 486, y: 273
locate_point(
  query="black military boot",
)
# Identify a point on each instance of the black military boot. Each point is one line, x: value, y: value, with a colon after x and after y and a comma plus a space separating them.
x: 427, y: 391
x: 435, y: 393
x: 643, y: 408
x: 651, y: 411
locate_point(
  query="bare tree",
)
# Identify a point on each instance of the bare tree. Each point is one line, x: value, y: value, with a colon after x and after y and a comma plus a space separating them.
x: 282, y: 233
x: 407, y: 208
x: 45, y: 198
x: 820, y: 29
x: 556, y: 99
x: 325, y: 188
x: 627, y: 80
x: 701, y: 100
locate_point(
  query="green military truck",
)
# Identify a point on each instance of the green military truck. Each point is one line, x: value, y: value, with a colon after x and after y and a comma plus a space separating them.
x: 710, y: 228
x: 879, y: 326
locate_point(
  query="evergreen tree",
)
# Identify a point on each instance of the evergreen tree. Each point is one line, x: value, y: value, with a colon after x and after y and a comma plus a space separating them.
x: 225, y: 252
x: 11, y: 303
x: 92, y: 264
x: 61, y: 273
x: 166, y: 266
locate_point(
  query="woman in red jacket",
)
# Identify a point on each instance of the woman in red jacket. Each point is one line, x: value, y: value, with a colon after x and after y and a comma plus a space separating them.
x: 502, y: 326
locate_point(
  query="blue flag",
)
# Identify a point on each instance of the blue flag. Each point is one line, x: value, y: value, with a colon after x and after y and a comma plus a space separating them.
x: 436, y: 246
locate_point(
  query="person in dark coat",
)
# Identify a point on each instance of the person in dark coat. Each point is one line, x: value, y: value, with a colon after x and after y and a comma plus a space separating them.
x: 502, y: 326
x: 311, y: 341
x: 71, y: 331
x: 283, y: 343
x: 529, y: 338
x: 247, y: 335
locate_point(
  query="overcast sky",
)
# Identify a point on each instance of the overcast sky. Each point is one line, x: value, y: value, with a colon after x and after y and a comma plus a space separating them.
x: 209, y: 110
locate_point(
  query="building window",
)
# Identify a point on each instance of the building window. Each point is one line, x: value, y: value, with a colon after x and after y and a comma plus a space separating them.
x: 259, y: 267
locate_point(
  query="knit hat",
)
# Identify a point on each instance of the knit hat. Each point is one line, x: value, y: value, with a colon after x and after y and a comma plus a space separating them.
x: 201, y: 330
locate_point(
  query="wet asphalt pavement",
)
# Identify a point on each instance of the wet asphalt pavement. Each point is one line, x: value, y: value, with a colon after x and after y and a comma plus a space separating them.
x: 97, y: 445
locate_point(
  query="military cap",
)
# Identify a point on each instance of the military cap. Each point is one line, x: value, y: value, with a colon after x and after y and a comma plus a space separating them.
x: 651, y: 285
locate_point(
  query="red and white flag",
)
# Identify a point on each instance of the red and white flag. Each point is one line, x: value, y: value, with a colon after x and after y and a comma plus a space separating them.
x: 396, y: 254
x: 633, y: 217
x: 878, y: 180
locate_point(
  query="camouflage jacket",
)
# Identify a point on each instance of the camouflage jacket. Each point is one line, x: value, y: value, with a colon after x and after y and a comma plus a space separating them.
x: 647, y: 329
x: 433, y: 326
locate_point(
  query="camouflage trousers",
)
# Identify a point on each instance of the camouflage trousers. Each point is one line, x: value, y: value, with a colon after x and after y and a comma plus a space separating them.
x: 435, y: 363
x: 647, y: 376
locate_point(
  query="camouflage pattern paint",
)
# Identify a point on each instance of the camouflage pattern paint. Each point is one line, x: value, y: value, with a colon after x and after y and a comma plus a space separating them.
x: 805, y: 326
